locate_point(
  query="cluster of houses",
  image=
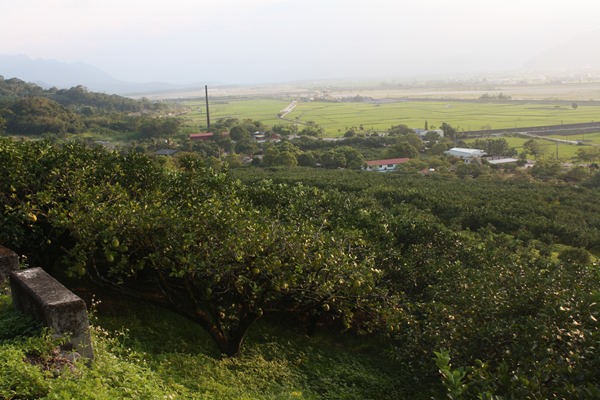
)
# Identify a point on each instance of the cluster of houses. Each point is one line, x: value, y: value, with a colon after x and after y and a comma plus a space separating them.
x: 467, y: 155
x: 476, y: 155
x: 259, y: 137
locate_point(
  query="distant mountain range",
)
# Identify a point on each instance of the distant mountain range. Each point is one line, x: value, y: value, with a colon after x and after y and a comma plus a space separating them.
x: 49, y: 73
x: 578, y: 54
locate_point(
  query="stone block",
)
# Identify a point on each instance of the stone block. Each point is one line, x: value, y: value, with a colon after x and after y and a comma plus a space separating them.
x: 9, y: 261
x: 36, y: 293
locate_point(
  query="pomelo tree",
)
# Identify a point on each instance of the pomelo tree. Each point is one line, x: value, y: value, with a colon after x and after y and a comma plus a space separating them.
x: 198, y: 246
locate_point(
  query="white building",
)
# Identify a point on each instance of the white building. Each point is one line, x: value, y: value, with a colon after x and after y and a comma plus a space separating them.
x: 502, y: 161
x: 468, y: 155
x: 422, y: 132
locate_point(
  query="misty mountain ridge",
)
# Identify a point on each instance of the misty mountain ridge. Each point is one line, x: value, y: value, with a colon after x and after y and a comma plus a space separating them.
x: 49, y: 73
x: 578, y: 54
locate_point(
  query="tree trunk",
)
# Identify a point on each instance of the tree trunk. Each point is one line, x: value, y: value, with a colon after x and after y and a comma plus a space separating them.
x: 311, y: 323
x: 232, y: 344
x: 229, y: 343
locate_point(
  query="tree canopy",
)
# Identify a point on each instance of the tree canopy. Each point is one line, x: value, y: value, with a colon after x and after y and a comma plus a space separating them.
x: 495, y: 272
x: 39, y: 115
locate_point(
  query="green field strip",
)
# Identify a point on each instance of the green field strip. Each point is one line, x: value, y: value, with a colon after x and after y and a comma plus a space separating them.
x: 336, y: 117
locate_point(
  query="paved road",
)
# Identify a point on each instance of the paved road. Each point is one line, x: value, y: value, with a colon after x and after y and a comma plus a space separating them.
x: 288, y: 109
x: 551, y: 139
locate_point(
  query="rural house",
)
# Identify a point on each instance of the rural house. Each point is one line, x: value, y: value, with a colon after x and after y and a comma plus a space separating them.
x: 502, y: 160
x: 166, y: 152
x: 201, y: 136
x: 384, y: 165
x: 206, y: 135
x: 422, y: 132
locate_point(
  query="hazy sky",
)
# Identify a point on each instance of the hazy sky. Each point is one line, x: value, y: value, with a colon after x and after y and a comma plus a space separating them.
x: 248, y: 41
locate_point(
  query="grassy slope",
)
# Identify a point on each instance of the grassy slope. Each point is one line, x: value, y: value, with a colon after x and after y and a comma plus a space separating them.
x: 276, y: 363
x: 159, y: 355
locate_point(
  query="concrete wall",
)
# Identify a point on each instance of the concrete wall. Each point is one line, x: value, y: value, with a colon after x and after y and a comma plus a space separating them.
x: 36, y: 293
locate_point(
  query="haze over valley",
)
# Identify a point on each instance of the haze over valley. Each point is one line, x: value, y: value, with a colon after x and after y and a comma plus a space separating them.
x: 143, y: 47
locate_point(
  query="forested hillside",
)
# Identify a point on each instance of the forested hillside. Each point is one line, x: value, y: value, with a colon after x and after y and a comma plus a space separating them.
x: 14, y: 89
x: 28, y: 110
x: 495, y: 274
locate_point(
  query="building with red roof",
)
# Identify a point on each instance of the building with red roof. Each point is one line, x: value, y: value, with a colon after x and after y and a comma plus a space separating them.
x: 384, y: 165
x: 201, y: 136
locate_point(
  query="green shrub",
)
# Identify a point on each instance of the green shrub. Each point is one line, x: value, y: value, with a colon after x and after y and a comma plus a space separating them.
x: 14, y: 323
x: 18, y: 378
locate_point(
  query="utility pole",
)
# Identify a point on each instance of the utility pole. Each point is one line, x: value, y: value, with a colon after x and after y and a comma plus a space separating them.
x: 207, y: 110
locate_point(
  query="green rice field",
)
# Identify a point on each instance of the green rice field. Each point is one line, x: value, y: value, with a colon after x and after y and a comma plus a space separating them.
x: 259, y: 110
x: 587, y: 138
x: 566, y: 152
x: 336, y: 118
